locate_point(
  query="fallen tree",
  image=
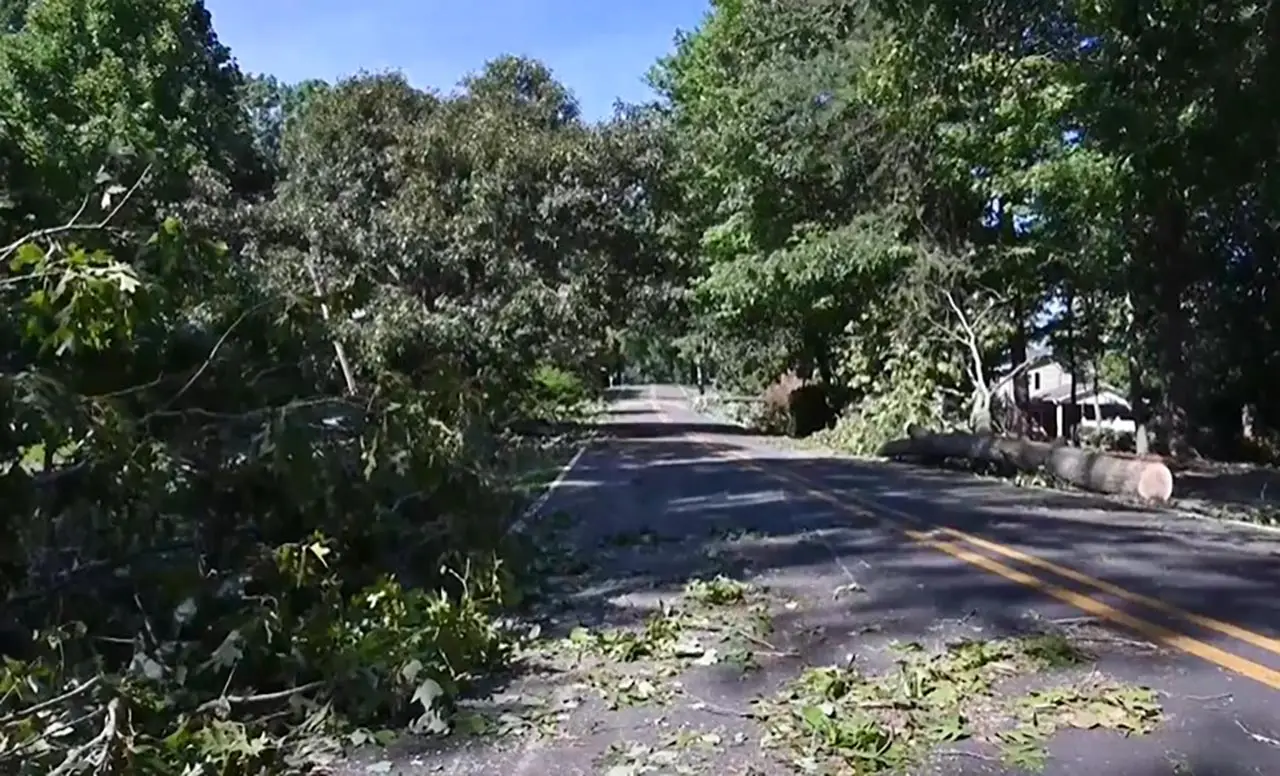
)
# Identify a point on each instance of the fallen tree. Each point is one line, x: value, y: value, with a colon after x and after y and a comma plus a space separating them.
x: 1087, y: 469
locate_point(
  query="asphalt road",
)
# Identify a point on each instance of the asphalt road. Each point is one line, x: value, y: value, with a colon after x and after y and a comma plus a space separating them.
x: 1186, y: 606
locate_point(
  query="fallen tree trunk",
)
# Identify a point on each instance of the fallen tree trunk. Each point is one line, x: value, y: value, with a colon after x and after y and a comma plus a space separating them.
x: 1087, y: 469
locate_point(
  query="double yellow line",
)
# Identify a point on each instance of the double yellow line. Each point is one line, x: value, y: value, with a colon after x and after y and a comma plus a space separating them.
x: 960, y: 544
x: 957, y: 544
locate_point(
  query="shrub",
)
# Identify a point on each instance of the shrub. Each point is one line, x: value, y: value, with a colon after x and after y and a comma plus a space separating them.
x: 808, y: 410
x: 877, y: 418
x: 559, y: 386
x: 555, y: 392
x: 773, y: 415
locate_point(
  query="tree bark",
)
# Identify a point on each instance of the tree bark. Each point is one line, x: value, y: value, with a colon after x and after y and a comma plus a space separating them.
x: 1175, y: 263
x: 1097, y: 404
x: 1138, y: 318
x: 1021, y: 392
x: 1087, y: 469
x: 1248, y: 418
x: 1072, y: 434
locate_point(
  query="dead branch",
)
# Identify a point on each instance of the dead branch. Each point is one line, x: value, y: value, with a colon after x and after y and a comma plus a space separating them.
x: 1013, y: 373
x: 102, y: 741
x: 208, y: 361
x: 341, y: 352
x: 267, y: 697
x: 74, y: 224
x: 18, y: 716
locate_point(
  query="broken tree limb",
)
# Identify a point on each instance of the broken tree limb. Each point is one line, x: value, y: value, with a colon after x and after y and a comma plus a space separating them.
x: 1086, y: 469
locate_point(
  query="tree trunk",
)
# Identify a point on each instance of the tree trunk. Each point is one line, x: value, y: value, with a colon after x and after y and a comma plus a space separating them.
x: 822, y: 356
x: 1169, y: 239
x: 1021, y: 390
x: 1073, y: 363
x: 980, y: 414
x: 1138, y: 319
x: 1160, y: 273
x: 1087, y: 469
x: 1248, y: 420
x: 1097, y: 402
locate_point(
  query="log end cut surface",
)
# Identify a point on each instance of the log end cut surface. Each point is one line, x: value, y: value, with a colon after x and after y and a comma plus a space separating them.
x: 1155, y: 483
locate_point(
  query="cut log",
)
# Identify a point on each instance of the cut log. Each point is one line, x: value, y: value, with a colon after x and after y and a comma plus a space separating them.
x: 1086, y: 469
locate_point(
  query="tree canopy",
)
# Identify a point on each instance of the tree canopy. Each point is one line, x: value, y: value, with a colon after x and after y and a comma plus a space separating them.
x: 868, y: 181
x: 267, y: 348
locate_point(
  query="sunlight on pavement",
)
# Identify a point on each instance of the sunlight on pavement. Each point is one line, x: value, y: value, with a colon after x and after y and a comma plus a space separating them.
x: 694, y: 503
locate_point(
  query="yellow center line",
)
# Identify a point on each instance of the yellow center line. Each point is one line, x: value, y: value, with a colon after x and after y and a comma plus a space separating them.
x: 864, y: 508
x: 1157, y: 633
x: 1209, y: 623
x: 1258, y: 640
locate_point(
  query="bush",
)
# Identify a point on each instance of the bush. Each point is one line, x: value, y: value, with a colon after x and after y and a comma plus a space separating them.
x: 231, y: 601
x: 877, y: 418
x: 556, y: 392
x: 559, y: 386
x: 253, y: 478
x: 808, y: 410
x: 773, y: 414
x: 1108, y: 439
x: 1263, y: 449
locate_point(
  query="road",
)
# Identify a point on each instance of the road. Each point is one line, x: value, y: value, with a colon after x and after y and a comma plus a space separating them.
x: 1187, y: 607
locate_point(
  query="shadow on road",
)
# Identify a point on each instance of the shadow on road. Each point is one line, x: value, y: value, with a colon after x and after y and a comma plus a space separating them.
x: 693, y: 492
x: 626, y: 429
x: 655, y: 510
x: 623, y: 393
x: 650, y: 510
x: 1190, y: 563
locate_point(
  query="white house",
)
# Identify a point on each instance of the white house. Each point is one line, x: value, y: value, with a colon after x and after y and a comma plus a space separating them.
x: 1049, y: 384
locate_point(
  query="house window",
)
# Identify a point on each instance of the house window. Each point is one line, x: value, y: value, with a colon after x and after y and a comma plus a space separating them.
x: 1035, y: 381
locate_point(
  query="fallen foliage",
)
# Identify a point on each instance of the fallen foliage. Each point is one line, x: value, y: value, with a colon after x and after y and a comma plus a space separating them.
x: 839, y: 720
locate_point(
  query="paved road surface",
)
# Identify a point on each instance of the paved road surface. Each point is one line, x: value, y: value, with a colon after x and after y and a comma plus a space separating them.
x: 1188, y: 607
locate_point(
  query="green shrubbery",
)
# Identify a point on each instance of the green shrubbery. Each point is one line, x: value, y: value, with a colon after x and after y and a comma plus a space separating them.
x: 557, y: 392
x: 255, y: 452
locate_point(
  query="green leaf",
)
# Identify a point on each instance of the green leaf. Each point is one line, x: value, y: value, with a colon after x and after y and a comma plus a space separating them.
x: 28, y: 255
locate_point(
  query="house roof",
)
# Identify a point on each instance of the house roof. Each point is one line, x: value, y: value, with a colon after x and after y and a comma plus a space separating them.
x: 1084, y: 393
x: 1037, y: 355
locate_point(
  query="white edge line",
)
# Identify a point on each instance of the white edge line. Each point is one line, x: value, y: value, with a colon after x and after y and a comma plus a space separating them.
x: 529, y: 753
x: 1189, y: 514
x: 532, y: 510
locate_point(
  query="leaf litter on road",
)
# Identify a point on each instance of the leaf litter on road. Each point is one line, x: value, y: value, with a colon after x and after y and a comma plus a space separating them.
x: 835, y: 720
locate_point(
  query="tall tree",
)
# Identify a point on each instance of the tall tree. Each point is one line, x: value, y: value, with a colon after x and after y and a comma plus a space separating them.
x: 88, y: 83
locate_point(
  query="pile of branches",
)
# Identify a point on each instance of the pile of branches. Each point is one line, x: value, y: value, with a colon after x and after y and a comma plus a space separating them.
x: 229, y: 542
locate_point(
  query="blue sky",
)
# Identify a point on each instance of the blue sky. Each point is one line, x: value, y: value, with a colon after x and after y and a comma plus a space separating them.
x: 599, y: 49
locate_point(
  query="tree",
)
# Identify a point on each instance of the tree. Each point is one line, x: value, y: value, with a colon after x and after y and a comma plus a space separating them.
x: 153, y: 88
x: 1071, y: 157
x: 261, y: 440
x: 270, y: 105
